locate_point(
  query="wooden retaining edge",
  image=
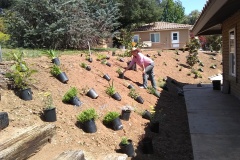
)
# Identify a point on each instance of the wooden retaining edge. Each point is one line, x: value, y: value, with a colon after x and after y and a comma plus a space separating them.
x: 27, y: 143
x: 70, y: 155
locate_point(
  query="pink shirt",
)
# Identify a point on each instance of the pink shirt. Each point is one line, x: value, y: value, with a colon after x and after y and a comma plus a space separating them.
x: 140, y: 59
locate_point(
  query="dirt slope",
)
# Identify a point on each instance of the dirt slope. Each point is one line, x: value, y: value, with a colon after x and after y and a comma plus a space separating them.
x: 173, y: 141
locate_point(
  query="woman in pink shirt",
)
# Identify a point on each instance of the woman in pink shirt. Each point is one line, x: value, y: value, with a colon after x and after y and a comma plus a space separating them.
x: 147, y: 65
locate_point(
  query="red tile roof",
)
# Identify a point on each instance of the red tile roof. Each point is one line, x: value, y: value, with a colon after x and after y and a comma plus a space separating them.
x: 156, y: 26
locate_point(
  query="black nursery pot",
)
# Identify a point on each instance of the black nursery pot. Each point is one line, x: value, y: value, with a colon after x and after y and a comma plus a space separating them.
x: 25, y: 94
x: 108, y: 64
x: 62, y: 77
x: 121, y: 75
x: 75, y: 101
x: 125, y: 115
x: 56, y: 61
x: 139, y: 99
x: 127, y: 148
x: 146, y: 115
x: 117, y: 124
x: 50, y: 115
x: 90, y: 126
x: 130, y: 86
x: 154, y: 127
x: 90, y: 60
x: 117, y: 96
x: 107, y: 77
x: 147, y: 147
x: 88, y: 68
x: 92, y: 93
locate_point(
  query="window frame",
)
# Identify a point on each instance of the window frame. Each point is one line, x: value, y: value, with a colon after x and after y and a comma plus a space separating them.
x: 156, y: 33
x: 232, y: 62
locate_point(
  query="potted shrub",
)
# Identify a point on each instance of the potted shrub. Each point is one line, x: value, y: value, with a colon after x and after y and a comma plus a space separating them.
x: 125, y: 115
x: 120, y: 73
x: 49, y: 109
x: 127, y: 147
x: 87, y: 120
x: 112, y: 120
x: 57, y: 72
x: 22, y: 81
x: 111, y: 91
x: 90, y: 92
x: 85, y: 66
x: 133, y: 94
x: 153, y: 91
x: 71, y: 97
x: 53, y: 56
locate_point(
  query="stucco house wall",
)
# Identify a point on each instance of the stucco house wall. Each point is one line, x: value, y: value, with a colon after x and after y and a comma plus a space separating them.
x: 165, y: 38
x: 166, y: 30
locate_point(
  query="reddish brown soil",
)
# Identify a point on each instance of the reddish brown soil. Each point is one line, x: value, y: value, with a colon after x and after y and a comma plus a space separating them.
x: 173, y: 142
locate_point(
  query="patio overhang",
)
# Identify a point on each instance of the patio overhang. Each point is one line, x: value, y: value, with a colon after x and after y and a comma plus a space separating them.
x: 212, y: 16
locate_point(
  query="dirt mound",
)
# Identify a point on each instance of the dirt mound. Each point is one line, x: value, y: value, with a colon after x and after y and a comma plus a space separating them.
x: 172, y: 141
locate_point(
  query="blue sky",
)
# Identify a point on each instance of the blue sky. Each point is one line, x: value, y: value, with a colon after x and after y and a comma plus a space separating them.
x: 191, y: 5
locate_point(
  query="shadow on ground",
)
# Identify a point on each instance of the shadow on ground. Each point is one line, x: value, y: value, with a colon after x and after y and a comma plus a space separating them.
x: 171, y: 140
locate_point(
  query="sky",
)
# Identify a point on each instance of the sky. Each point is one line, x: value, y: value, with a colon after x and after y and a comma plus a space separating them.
x: 191, y: 5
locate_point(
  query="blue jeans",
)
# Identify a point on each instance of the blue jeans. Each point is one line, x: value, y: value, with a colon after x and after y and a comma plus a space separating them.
x: 149, y: 72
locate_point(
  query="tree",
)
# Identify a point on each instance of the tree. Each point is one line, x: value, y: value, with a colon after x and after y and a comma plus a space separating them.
x: 60, y: 24
x: 173, y: 11
x: 191, y: 18
x: 138, y: 12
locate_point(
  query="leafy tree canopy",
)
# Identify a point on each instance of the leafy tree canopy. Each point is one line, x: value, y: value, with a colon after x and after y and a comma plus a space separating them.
x: 61, y: 24
x: 139, y: 12
x: 173, y: 11
x: 191, y: 18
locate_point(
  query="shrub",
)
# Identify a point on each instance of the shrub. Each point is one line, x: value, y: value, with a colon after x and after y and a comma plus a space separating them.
x: 55, y: 70
x: 110, y: 116
x: 124, y: 141
x: 87, y: 115
x: 110, y: 89
x: 72, y: 92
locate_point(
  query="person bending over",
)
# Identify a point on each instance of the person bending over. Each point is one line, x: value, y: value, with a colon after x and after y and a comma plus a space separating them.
x: 146, y: 64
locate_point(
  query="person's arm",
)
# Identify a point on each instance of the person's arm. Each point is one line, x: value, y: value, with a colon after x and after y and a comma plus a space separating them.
x: 129, y: 66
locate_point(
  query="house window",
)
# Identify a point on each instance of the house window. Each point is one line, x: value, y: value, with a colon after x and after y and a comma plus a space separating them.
x: 175, y: 36
x: 135, y: 38
x: 232, y: 52
x: 155, y: 37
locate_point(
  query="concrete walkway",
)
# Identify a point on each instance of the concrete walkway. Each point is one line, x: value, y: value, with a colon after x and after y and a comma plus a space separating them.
x: 214, y: 122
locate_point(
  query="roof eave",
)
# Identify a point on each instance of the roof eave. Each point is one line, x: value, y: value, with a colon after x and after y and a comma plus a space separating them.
x: 208, y: 12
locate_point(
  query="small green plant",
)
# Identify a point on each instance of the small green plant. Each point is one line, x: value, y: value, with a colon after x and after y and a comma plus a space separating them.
x: 151, y: 90
x: 213, y: 66
x: 110, y: 89
x: 201, y: 64
x: 72, y: 92
x: 133, y: 94
x: 101, y: 57
x: 21, y: 80
x: 55, y: 70
x: 110, y: 116
x: 124, y: 141
x: 87, y: 115
x: 83, y: 65
x: 48, y: 100
x: 164, y: 63
x: 104, y: 61
x: 196, y: 73
x: 50, y: 53
x: 119, y: 71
